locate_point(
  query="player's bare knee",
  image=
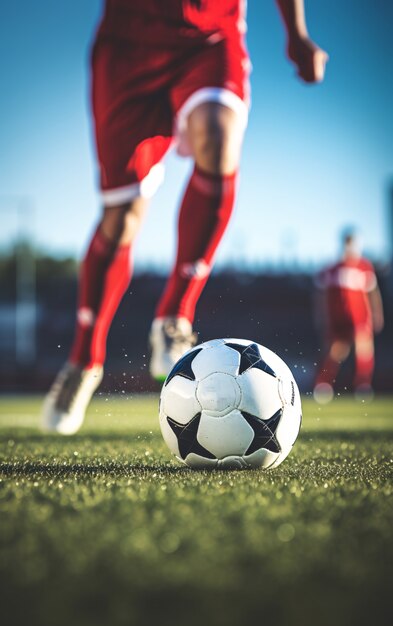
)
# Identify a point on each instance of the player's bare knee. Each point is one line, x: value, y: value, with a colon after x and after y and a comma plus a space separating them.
x: 339, y: 351
x: 217, y: 154
x: 364, y: 347
x: 120, y: 224
x: 215, y: 138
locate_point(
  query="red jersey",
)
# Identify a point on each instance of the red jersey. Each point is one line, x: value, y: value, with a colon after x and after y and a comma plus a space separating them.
x: 172, y: 22
x: 347, y: 285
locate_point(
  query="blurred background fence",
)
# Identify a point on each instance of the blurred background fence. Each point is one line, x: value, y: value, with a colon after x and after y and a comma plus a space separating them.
x: 314, y: 161
x: 275, y: 308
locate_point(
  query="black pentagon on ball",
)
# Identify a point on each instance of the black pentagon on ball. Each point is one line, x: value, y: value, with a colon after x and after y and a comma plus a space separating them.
x: 250, y: 357
x: 187, y: 437
x: 264, y: 432
x: 183, y: 367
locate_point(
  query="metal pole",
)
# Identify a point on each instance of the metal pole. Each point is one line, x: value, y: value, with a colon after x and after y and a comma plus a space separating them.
x: 25, y: 308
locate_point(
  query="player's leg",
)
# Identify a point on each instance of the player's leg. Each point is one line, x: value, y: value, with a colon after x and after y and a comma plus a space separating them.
x: 211, y: 100
x: 133, y: 131
x: 338, y: 351
x: 214, y: 137
x: 364, y: 363
x: 104, y: 277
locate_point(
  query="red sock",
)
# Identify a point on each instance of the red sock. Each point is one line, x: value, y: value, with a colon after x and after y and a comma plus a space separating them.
x: 104, y: 278
x: 203, y: 218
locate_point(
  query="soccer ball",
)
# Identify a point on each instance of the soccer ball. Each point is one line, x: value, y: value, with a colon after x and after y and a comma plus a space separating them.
x: 230, y: 404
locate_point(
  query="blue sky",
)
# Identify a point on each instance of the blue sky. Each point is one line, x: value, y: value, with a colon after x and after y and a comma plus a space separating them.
x: 315, y: 158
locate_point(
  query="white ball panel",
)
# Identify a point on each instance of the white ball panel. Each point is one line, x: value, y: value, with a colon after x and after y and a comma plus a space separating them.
x: 216, y: 359
x: 218, y: 393
x: 280, y: 457
x: 225, y: 436
x: 213, y: 343
x: 179, y: 401
x: 261, y: 458
x: 199, y: 462
x: 290, y: 393
x: 288, y: 427
x: 241, y: 342
x: 168, y: 435
x: 233, y: 463
x: 260, y: 395
x: 298, y: 401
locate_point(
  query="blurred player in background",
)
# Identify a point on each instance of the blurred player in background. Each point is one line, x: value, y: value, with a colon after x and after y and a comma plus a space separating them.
x: 164, y: 73
x: 350, y: 307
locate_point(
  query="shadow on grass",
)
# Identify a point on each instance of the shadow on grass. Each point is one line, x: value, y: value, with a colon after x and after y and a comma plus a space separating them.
x: 110, y: 468
x: 19, y: 436
x: 25, y: 435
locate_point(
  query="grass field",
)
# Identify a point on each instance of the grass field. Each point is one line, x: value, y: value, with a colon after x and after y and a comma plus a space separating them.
x: 105, y: 528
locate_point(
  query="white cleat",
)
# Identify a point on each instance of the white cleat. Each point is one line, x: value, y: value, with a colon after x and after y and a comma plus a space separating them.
x: 323, y: 393
x: 170, y: 338
x: 364, y: 393
x: 67, y: 400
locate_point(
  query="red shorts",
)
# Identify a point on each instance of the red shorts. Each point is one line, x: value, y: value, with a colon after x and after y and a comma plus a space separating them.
x: 142, y: 97
x: 347, y: 331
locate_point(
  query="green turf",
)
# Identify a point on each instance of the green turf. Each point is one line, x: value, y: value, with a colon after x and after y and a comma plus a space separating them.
x: 105, y: 528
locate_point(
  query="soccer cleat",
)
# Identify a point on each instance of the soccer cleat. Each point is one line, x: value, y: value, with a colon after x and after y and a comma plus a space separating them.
x: 66, y: 403
x: 323, y: 393
x: 170, y: 338
x: 364, y: 393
